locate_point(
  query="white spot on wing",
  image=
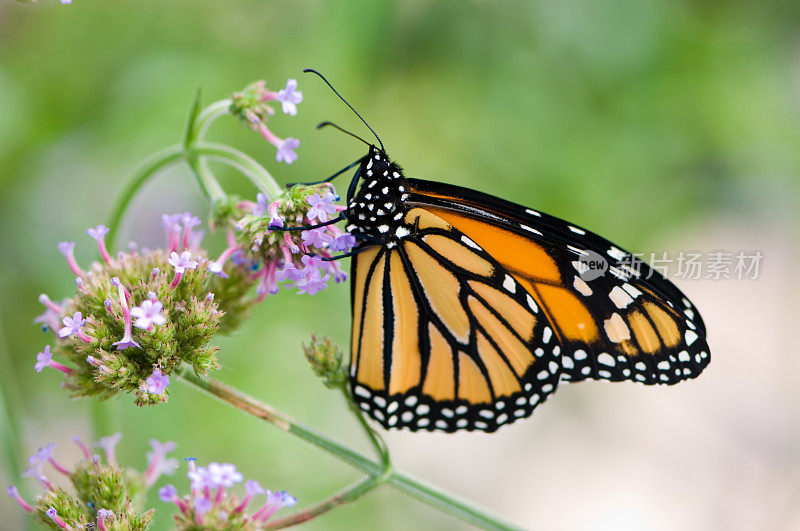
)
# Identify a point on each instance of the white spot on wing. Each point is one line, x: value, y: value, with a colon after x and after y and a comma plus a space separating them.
x: 509, y: 284
x: 615, y: 253
x: 470, y: 243
x: 620, y: 298
x: 606, y: 359
x: 616, y: 329
x: 533, y: 212
x: 576, y: 230
x: 531, y: 229
x: 532, y: 303
x: 691, y: 336
x: 581, y: 286
x: 633, y: 292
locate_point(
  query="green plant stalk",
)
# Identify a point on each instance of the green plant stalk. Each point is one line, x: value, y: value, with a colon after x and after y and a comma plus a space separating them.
x: 10, y: 410
x: 251, y: 169
x: 448, y: 503
x: 151, y: 167
x: 343, y: 497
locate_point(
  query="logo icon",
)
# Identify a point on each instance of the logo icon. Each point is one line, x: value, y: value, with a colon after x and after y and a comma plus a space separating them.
x: 591, y: 266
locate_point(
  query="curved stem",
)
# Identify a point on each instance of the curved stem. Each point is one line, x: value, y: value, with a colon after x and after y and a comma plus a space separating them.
x: 466, y: 511
x: 343, y: 497
x: 209, y: 114
x: 374, y: 437
x: 242, y: 162
x: 157, y: 162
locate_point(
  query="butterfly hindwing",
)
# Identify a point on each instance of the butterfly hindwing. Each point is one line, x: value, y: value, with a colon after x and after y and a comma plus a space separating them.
x: 443, y: 337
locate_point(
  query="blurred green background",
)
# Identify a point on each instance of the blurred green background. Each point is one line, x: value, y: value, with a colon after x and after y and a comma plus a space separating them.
x: 659, y: 124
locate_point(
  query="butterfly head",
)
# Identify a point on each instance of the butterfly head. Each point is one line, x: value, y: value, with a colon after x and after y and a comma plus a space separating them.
x: 376, y: 210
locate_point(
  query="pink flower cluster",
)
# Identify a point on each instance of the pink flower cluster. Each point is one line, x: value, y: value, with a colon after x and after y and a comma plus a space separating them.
x: 251, y: 103
x: 208, y: 496
x: 306, y: 263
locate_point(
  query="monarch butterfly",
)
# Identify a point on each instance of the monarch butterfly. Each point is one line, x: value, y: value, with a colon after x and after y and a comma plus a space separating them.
x: 469, y: 310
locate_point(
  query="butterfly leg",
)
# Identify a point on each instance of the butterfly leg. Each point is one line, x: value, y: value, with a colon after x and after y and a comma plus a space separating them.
x: 333, y: 221
x: 347, y: 254
x: 329, y: 179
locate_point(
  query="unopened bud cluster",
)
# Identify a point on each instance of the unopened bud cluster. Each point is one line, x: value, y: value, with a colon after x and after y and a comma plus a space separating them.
x: 327, y: 361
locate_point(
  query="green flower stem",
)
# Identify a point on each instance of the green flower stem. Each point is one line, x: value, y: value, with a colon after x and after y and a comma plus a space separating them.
x: 242, y: 162
x: 343, y: 497
x: 209, y: 114
x: 448, y: 503
x: 377, y: 441
x: 10, y: 410
x: 154, y: 164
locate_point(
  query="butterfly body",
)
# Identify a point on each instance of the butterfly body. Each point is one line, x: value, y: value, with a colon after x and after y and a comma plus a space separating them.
x: 468, y: 310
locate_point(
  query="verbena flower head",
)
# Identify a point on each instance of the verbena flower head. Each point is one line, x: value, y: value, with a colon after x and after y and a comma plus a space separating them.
x: 137, y: 317
x: 294, y: 258
x: 102, y: 496
x: 212, y: 504
x: 252, y: 106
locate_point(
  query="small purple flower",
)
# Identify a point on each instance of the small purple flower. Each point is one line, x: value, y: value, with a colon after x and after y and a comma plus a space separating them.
x: 290, y: 97
x: 37, y: 461
x: 275, y: 501
x: 289, y: 272
x: 43, y: 359
x: 84, y: 449
x: 343, y: 243
x: 286, y: 150
x: 200, y: 478
x: 321, y: 206
x: 223, y: 475
x: 53, y: 515
x: 157, y: 382
x: 72, y: 325
x: 109, y: 444
x: 261, y: 206
x: 157, y: 461
x: 127, y: 341
x: 316, y: 238
x: 148, y: 314
x: 99, y: 234
x: 102, y: 514
x: 182, y: 262
x: 13, y: 493
x: 275, y: 219
x: 313, y: 283
x: 189, y: 222
x: 253, y: 487
x: 167, y: 493
x: 68, y: 250
x: 202, y: 505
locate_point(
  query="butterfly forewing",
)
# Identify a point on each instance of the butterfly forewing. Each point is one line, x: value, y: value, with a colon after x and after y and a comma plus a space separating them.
x: 629, y: 323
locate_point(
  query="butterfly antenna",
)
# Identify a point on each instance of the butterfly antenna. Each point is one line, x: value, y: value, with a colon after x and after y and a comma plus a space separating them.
x: 345, y: 131
x: 306, y: 70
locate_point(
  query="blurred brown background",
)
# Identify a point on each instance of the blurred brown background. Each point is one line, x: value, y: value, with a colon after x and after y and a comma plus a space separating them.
x: 663, y: 125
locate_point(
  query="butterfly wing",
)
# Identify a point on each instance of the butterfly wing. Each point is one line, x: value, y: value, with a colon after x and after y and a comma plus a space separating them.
x: 629, y: 324
x: 443, y: 337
